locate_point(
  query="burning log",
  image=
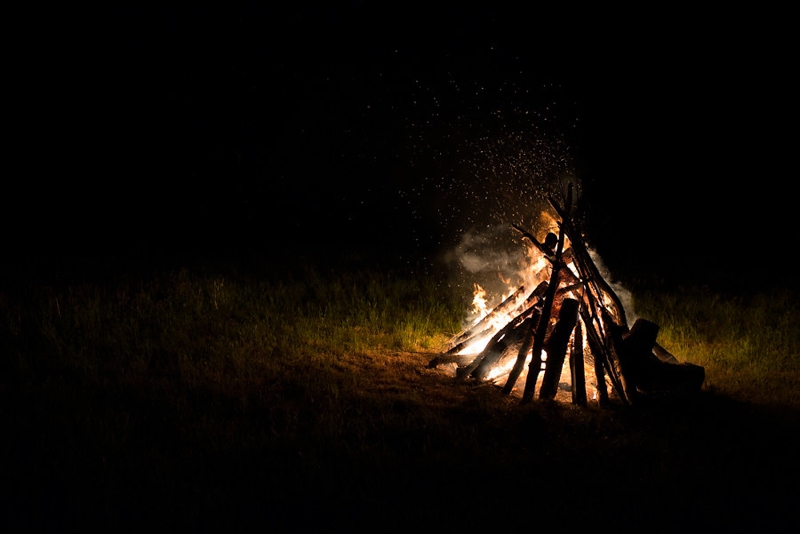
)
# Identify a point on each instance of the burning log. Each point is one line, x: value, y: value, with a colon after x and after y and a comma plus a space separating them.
x: 596, y: 348
x: 522, y: 355
x: 602, y: 359
x: 482, y: 328
x: 491, y: 353
x: 498, y: 346
x: 557, y: 348
x: 504, y: 307
x: 576, y: 367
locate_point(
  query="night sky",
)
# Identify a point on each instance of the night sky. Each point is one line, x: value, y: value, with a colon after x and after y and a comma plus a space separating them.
x: 393, y: 129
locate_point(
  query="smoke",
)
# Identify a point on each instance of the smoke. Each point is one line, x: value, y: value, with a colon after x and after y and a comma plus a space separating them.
x: 478, y: 253
x: 622, y: 292
x: 489, y: 257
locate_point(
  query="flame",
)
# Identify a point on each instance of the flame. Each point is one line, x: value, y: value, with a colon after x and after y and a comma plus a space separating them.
x: 479, y: 305
x: 533, y: 271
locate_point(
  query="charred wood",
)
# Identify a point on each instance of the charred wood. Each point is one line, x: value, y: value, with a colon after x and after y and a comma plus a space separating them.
x: 522, y: 356
x: 506, y: 306
x: 557, y: 348
x: 539, y: 337
x: 603, y: 357
x: 451, y: 355
x: 598, y: 351
x: 496, y: 341
x: 613, y: 343
x: 576, y: 367
x: 646, y: 373
x: 600, y: 382
x: 636, y: 354
x: 461, y: 346
x: 663, y: 354
x: 443, y: 359
x: 493, y: 352
x: 510, y: 334
x: 483, y: 326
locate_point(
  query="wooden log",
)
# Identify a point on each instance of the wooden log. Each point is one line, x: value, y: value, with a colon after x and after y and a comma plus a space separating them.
x: 647, y: 373
x: 557, y: 348
x: 462, y: 345
x: 476, y: 361
x: 597, y: 349
x: 576, y: 367
x: 677, y: 378
x: 534, y: 367
x: 495, y: 347
x: 491, y: 355
x: 636, y: 356
x: 452, y: 356
x: 519, y: 364
x: 613, y: 343
x: 664, y: 355
x: 443, y: 359
x: 600, y: 382
x: 474, y: 334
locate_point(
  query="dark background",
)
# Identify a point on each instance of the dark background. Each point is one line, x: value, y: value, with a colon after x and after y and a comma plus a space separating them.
x: 229, y: 129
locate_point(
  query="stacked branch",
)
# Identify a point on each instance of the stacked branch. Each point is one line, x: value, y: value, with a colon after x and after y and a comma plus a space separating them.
x: 576, y: 315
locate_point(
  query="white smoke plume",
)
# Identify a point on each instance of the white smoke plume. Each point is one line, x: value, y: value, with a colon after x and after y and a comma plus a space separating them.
x: 492, y: 257
x: 622, y: 292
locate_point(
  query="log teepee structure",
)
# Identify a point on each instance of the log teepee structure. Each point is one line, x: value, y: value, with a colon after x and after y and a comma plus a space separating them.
x: 572, y: 316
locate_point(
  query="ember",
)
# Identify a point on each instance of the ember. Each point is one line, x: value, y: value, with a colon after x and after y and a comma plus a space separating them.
x: 571, y: 323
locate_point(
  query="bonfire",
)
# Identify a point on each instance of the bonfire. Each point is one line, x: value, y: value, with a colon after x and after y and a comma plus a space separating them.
x: 566, y: 333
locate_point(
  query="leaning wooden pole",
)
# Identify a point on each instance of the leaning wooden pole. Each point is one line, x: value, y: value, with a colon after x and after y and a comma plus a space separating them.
x: 576, y: 367
x: 541, y: 330
x: 602, y: 349
x: 544, y: 320
x: 527, y: 344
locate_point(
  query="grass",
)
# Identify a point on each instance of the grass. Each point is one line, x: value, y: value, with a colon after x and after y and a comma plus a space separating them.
x: 274, y: 397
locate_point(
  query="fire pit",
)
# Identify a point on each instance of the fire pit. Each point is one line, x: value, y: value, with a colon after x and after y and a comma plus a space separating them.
x: 569, y: 323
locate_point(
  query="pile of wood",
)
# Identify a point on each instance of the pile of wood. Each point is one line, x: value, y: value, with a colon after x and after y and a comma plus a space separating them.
x: 573, y: 316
